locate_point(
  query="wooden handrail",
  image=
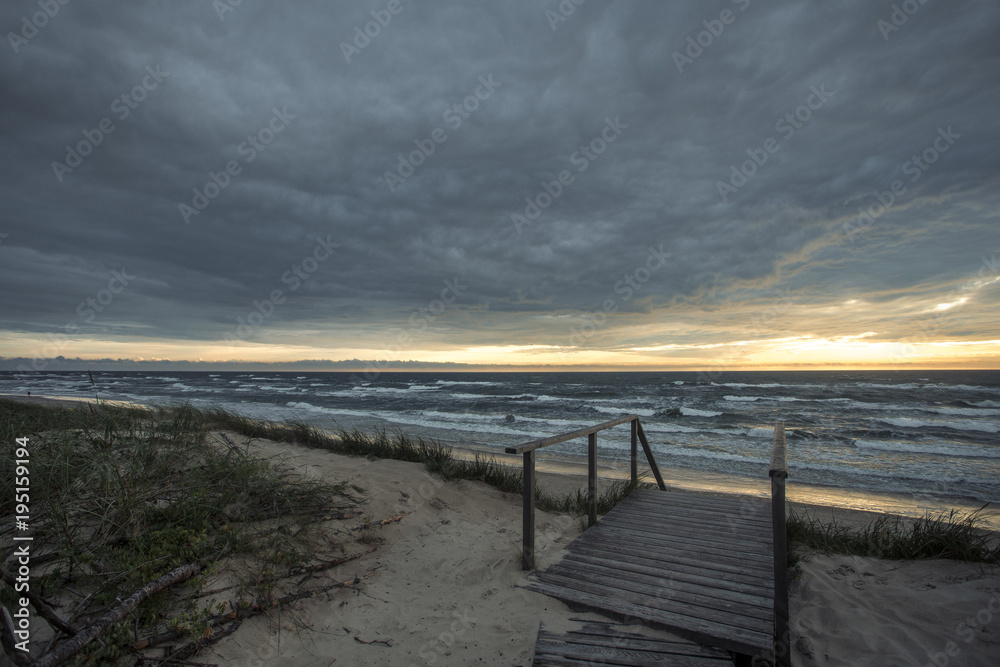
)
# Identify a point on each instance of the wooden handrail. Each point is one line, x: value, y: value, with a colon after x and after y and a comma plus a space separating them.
x: 527, y: 450
x: 556, y: 439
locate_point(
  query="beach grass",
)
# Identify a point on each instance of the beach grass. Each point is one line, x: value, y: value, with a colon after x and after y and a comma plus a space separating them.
x: 121, y: 495
x: 951, y: 535
x: 435, y: 456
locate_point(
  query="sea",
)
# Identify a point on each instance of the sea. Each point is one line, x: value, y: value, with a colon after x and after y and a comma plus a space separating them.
x: 906, y: 441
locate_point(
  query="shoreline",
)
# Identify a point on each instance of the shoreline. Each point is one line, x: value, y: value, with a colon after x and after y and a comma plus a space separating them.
x: 561, y: 476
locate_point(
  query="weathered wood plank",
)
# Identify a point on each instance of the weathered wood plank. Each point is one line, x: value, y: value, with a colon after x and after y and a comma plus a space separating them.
x: 678, y: 568
x: 712, y: 634
x: 751, y: 559
x: 727, y: 516
x: 710, y: 536
x: 713, y: 610
x: 679, y: 580
x: 709, y: 597
x: 612, y: 545
x: 744, y: 508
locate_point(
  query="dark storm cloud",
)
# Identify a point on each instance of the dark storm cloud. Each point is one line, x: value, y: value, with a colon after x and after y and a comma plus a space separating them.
x: 519, y: 97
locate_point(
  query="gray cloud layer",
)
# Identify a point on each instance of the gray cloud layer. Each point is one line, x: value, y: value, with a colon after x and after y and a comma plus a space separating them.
x: 868, y: 99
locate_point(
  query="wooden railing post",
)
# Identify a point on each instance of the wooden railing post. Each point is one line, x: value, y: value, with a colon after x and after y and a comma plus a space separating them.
x: 635, y: 450
x: 649, y: 456
x: 591, y: 479
x: 778, y: 474
x: 528, y: 528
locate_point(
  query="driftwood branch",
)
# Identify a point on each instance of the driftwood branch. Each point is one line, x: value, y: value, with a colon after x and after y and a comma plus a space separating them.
x: 75, y: 644
x: 237, y: 616
x: 40, y: 606
x: 384, y: 522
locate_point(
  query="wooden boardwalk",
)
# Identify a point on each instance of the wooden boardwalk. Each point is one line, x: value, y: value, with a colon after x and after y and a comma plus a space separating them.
x: 609, y: 644
x: 698, y: 566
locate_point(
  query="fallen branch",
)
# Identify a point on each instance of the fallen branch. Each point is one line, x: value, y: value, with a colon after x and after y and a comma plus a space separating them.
x: 384, y: 522
x: 75, y: 644
x: 239, y: 615
x: 326, y: 565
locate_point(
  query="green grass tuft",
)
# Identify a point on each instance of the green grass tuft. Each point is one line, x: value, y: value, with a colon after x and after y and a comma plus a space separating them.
x: 952, y: 535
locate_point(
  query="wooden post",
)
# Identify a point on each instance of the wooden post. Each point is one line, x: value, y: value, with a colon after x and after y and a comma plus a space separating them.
x: 778, y: 474
x: 649, y: 456
x: 528, y: 500
x: 592, y: 479
x: 635, y: 450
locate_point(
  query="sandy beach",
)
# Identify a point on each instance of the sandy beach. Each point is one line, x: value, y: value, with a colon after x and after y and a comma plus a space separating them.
x: 446, y: 590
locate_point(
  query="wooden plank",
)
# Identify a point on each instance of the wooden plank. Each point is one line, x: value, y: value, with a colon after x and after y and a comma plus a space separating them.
x: 565, y: 652
x: 730, y: 613
x: 680, y: 567
x: 671, y: 646
x: 708, y: 534
x: 594, y: 598
x: 676, y: 576
x: 556, y: 439
x: 649, y: 455
x: 612, y: 544
x: 725, y: 617
x: 717, y: 514
x: 716, y: 551
x: 675, y: 588
x: 747, y: 508
x: 528, y: 512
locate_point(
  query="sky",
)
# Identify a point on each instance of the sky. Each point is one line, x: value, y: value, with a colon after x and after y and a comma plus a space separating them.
x: 725, y: 184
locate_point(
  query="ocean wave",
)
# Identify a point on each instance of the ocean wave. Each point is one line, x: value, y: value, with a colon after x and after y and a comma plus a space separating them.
x: 936, y: 449
x: 642, y: 412
x: 744, y: 399
x: 906, y: 422
x: 694, y: 412
x: 479, y: 382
